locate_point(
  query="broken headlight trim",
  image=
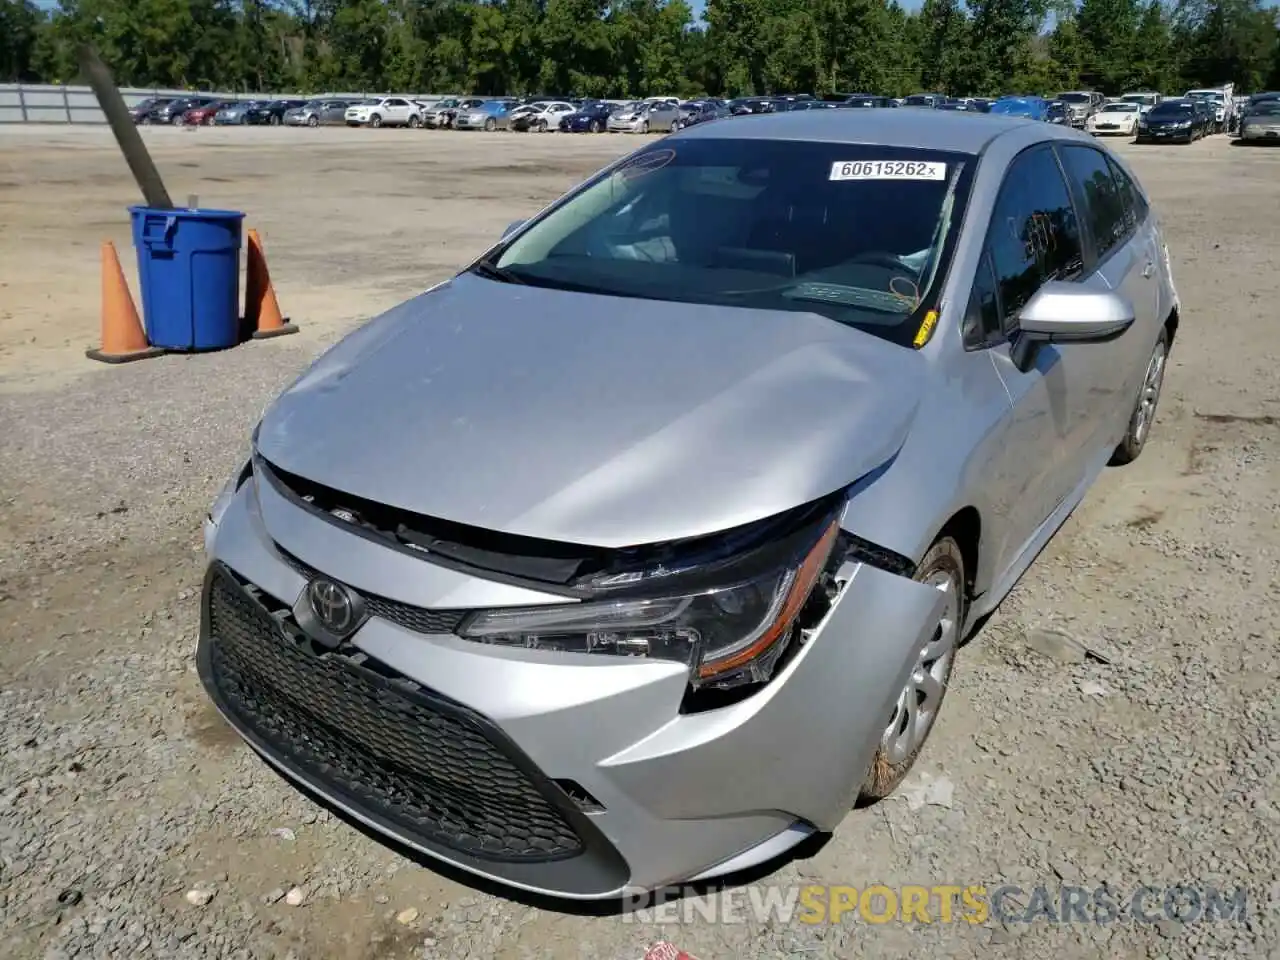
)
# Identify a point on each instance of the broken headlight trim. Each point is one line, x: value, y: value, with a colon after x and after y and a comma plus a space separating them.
x: 727, y: 636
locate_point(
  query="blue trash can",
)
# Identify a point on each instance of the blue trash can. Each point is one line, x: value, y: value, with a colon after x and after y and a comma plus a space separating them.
x: 189, y: 274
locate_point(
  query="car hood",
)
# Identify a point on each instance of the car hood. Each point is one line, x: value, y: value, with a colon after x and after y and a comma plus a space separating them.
x: 594, y: 420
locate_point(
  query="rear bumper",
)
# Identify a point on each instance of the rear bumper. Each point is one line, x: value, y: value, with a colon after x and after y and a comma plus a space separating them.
x: 676, y: 796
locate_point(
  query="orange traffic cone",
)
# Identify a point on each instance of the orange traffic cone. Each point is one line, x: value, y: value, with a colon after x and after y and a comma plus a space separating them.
x: 122, y: 336
x: 261, y: 308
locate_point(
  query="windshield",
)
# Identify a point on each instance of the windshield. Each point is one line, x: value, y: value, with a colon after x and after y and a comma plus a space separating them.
x: 1204, y: 95
x: 1139, y: 98
x: 314, y: 105
x: 857, y: 233
x: 1119, y: 108
x: 918, y: 101
x: 1074, y: 97
x: 1264, y: 108
x: 1171, y: 108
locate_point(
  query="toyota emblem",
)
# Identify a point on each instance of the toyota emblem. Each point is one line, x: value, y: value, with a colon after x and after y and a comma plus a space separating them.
x: 332, y: 605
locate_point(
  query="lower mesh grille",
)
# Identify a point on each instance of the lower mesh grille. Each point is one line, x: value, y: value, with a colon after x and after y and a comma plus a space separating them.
x: 425, y: 765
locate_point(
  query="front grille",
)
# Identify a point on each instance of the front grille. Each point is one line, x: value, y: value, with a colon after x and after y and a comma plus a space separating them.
x: 427, y: 766
x: 417, y: 619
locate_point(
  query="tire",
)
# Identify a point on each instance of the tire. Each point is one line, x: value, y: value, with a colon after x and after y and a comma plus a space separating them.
x: 274, y: 120
x: 542, y: 126
x: 313, y: 121
x: 644, y: 127
x: 1144, y: 408
x: 490, y: 125
x: 596, y: 126
x: 676, y: 125
x: 375, y: 121
x: 942, y: 566
x: 415, y: 122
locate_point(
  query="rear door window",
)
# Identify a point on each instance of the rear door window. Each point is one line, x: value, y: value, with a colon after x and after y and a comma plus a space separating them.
x: 1103, y: 207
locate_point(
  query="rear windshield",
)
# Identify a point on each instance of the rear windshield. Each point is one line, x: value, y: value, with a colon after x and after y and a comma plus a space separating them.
x: 858, y: 233
x: 1074, y: 97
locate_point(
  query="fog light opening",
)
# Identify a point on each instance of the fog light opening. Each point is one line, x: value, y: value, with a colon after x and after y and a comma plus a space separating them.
x: 580, y: 796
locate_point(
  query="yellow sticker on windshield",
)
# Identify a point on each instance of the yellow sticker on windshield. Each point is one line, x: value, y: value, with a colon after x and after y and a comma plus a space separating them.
x: 926, y: 328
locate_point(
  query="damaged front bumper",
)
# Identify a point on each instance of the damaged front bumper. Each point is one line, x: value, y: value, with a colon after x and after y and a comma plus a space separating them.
x: 571, y: 775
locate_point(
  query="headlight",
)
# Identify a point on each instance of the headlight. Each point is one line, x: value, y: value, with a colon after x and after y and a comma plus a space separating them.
x: 727, y: 636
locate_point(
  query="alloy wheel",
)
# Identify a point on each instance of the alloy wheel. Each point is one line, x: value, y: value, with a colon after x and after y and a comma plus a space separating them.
x: 1145, y: 414
x: 920, y: 699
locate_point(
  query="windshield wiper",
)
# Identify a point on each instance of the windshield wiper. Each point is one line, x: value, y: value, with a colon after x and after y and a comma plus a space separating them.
x: 487, y: 268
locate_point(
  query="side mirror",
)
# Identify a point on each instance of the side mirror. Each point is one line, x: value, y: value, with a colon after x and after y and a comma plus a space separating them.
x: 511, y: 228
x: 1061, y: 312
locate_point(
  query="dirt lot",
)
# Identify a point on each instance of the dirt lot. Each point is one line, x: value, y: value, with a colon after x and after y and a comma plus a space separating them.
x: 121, y: 790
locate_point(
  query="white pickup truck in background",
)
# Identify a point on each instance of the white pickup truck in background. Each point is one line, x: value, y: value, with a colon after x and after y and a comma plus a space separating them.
x: 1224, y: 105
x: 1145, y: 99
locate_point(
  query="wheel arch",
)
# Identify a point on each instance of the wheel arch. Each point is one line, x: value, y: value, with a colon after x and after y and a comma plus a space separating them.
x: 1171, y: 324
x: 965, y: 528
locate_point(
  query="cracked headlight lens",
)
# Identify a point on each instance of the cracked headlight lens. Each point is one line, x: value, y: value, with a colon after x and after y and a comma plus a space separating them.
x: 726, y: 636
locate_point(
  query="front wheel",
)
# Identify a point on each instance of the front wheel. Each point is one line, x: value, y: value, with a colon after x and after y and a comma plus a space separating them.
x: 313, y: 121
x: 542, y: 126
x: 596, y: 126
x: 415, y: 122
x: 274, y: 121
x: 375, y: 121
x: 491, y: 125
x: 916, y: 708
x: 644, y: 127
x: 1144, y: 410
x: 676, y: 125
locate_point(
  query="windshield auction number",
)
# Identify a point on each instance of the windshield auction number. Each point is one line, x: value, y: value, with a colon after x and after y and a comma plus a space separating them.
x: 888, y: 170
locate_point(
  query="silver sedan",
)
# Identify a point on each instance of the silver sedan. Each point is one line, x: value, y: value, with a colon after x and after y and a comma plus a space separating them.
x: 644, y: 547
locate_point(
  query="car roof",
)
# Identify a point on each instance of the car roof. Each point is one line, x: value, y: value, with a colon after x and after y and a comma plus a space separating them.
x: 926, y: 129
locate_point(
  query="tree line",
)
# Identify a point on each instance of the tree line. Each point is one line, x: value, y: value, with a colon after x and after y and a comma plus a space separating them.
x: 650, y: 47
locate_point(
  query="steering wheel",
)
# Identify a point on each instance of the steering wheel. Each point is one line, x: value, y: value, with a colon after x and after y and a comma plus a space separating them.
x: 881, y: 258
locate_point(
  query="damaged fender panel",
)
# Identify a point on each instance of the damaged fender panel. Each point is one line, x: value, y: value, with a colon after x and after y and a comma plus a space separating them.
x: 803, y: 744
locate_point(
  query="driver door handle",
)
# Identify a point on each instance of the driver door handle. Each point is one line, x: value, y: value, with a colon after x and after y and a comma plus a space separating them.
x: 1147, y: 270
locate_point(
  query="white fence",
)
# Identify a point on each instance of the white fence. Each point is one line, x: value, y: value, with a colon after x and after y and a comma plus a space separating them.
x: 45, y: 103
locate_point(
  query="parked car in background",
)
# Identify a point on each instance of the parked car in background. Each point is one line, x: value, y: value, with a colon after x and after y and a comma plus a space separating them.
x: 318, y: 113
x: 542, y: 117
x: 1057, y: 112
x: 486, y: 116
x: 172, y: 111
x: 753, y: 105
x: 813, y: 105
x: 270, y: 112
x: 869, y: 100
x: 235, y: 113
x: 1221, y: 101
x: 930, y: 101
x: 1032, y: 108
x: 589, y: 118
x: 447, y: 110
x: 202, y: 115
x: 1082, y: 104
x: 1145, y: 99
x: 1176, y: 120
x: 644, y: 117
x: 142, y: 110
x: 1115, y: 117
x: 384, y: 112
x: 819, y: 450
x: 1260, y: 120
x: 701, y: 111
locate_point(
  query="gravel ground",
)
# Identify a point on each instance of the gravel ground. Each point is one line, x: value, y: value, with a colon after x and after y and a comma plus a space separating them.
x: 133, y: 823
